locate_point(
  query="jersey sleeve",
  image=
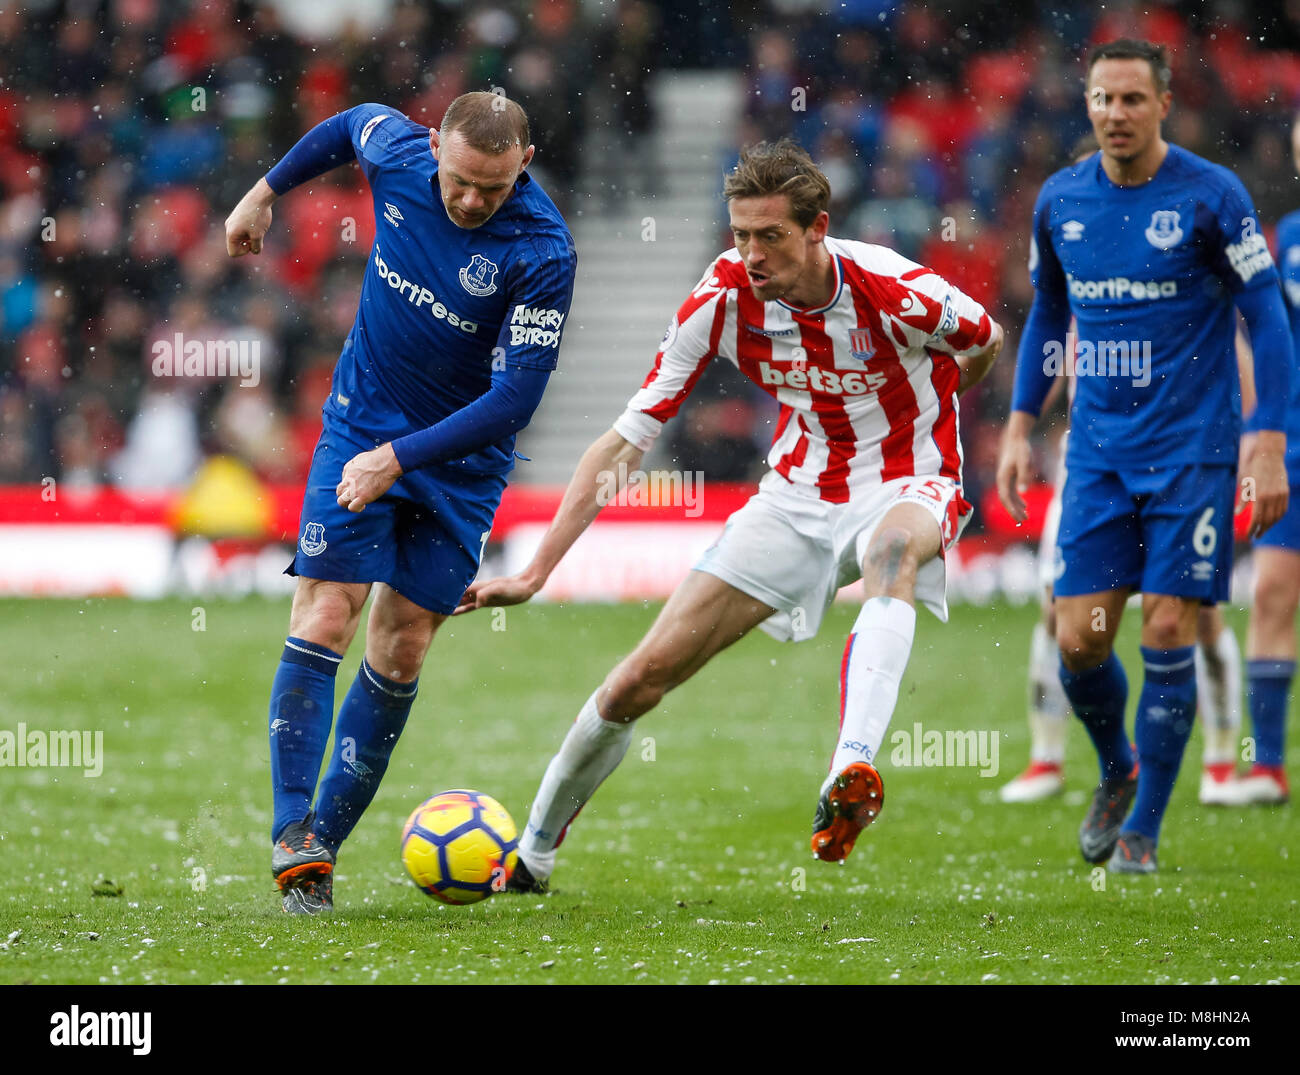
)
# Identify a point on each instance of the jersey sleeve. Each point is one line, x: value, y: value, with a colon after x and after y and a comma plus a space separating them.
x: 1288, y: 264
x: 1240, y: 254
x: 685, y: 351
x: 374, y: 128
x: 324, y: 147
x: 540, y: 288
x: 934, y: 314
x: 363, y: 132
x: 1045, y: 271
x: 1049, y: 316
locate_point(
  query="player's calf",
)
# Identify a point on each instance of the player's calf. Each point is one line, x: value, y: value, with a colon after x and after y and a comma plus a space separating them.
x: 635, y: 686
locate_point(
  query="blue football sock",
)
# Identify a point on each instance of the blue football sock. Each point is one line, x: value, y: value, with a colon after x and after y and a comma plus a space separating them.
x: 1268, y: 690
x: 371, y: 719
x: 1165, y: 713
x: 1098, y: 697
x: 302, y: 710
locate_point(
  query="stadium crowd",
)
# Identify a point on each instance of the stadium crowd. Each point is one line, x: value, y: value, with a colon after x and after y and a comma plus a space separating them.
x: 129, y: 128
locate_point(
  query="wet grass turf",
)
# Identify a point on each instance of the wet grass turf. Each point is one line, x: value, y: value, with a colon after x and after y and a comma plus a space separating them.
x: 690, y: 865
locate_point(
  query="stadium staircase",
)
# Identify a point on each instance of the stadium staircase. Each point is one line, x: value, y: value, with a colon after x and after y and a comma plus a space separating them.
x: 628, y: 288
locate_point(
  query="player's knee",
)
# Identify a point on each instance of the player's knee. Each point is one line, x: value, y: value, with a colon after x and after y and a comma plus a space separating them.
x: 891, y: 557
x: 1081, y: 649
x: 326, y: 613
x: 1165, y: 628
x: 1273, y: 605
x: 399, y: 652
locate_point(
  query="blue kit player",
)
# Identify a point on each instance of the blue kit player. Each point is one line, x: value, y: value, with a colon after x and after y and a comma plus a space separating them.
x: 1150, y: 248
x: 458, y: 329
x: 1271, y: 635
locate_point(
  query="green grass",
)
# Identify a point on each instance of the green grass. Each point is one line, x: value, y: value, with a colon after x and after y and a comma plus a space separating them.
x: 690, y: 867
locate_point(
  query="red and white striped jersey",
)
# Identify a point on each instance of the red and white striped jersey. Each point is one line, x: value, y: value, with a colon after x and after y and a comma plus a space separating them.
x: 867, y: 383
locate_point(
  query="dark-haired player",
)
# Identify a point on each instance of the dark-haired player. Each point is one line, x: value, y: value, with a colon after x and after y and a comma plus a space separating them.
x: 1150, y: 248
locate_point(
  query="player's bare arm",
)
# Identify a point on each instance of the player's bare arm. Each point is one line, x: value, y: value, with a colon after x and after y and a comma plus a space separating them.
x: 249, y: 220
x: 1261, y: 468
x: 609, y: 457
x: 1253, y: 458
x: 1014, y: 463
x: 975, y: 367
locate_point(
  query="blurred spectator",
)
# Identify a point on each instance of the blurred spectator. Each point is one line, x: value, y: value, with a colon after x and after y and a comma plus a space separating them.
x: 162, y: 442
x: 128, y: 128
x: 893, y: 216
x: 625, y: 58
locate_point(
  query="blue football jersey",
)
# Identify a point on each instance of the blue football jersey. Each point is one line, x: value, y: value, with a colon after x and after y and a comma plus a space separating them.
x: 1288, y: 257
x: 1150, y: 273
x: 441, y: 304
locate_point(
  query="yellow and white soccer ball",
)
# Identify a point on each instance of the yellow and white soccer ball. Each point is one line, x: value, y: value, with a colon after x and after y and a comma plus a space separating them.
x: 460, y: 846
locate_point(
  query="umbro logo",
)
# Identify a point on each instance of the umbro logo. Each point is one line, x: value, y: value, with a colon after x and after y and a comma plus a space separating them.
x: 1072, y: 231
x: 392, y: 214
x: 351, y: 762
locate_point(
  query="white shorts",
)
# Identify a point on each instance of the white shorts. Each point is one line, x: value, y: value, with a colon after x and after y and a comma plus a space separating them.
x: 792, y: 550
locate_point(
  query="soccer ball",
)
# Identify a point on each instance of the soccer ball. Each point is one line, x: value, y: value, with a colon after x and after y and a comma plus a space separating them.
x: 460, y: 846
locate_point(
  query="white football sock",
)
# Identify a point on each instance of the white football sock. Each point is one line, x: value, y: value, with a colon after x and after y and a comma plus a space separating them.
x: 1218, y: 693
x: 1049, y: 708
x: 878, y: 650
x: 590, y: 752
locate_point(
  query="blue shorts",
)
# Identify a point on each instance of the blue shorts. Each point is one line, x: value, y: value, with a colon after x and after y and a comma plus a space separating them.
x: 1285, y: 533
x: 424, y: 537
x: 1158, y: 530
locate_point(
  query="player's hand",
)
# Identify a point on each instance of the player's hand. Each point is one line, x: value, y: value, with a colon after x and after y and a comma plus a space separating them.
x: 508, y: 590
x: 367, y: 477
x: 1263, y: 480
x: 1014, y: 468
x: 249, y: 220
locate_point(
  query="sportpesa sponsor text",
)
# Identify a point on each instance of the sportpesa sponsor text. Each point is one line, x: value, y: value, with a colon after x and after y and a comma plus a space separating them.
x: 1121, y: 287
x: 419, y: 295
x: 531, y: 325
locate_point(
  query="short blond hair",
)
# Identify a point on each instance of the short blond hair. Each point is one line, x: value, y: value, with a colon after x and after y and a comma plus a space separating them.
x: 489, y: 122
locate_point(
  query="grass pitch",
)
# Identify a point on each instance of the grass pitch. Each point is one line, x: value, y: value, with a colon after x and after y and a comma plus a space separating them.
x: 691, y: 865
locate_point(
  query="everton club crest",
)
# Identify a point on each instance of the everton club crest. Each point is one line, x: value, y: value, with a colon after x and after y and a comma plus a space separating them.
x: 1163, y: 231
x: 479, y: 277
x: 312, y: 541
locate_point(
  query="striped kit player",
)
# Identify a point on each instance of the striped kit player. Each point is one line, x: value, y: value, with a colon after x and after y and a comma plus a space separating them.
x: 866, y: 352
x: 867, y: 384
